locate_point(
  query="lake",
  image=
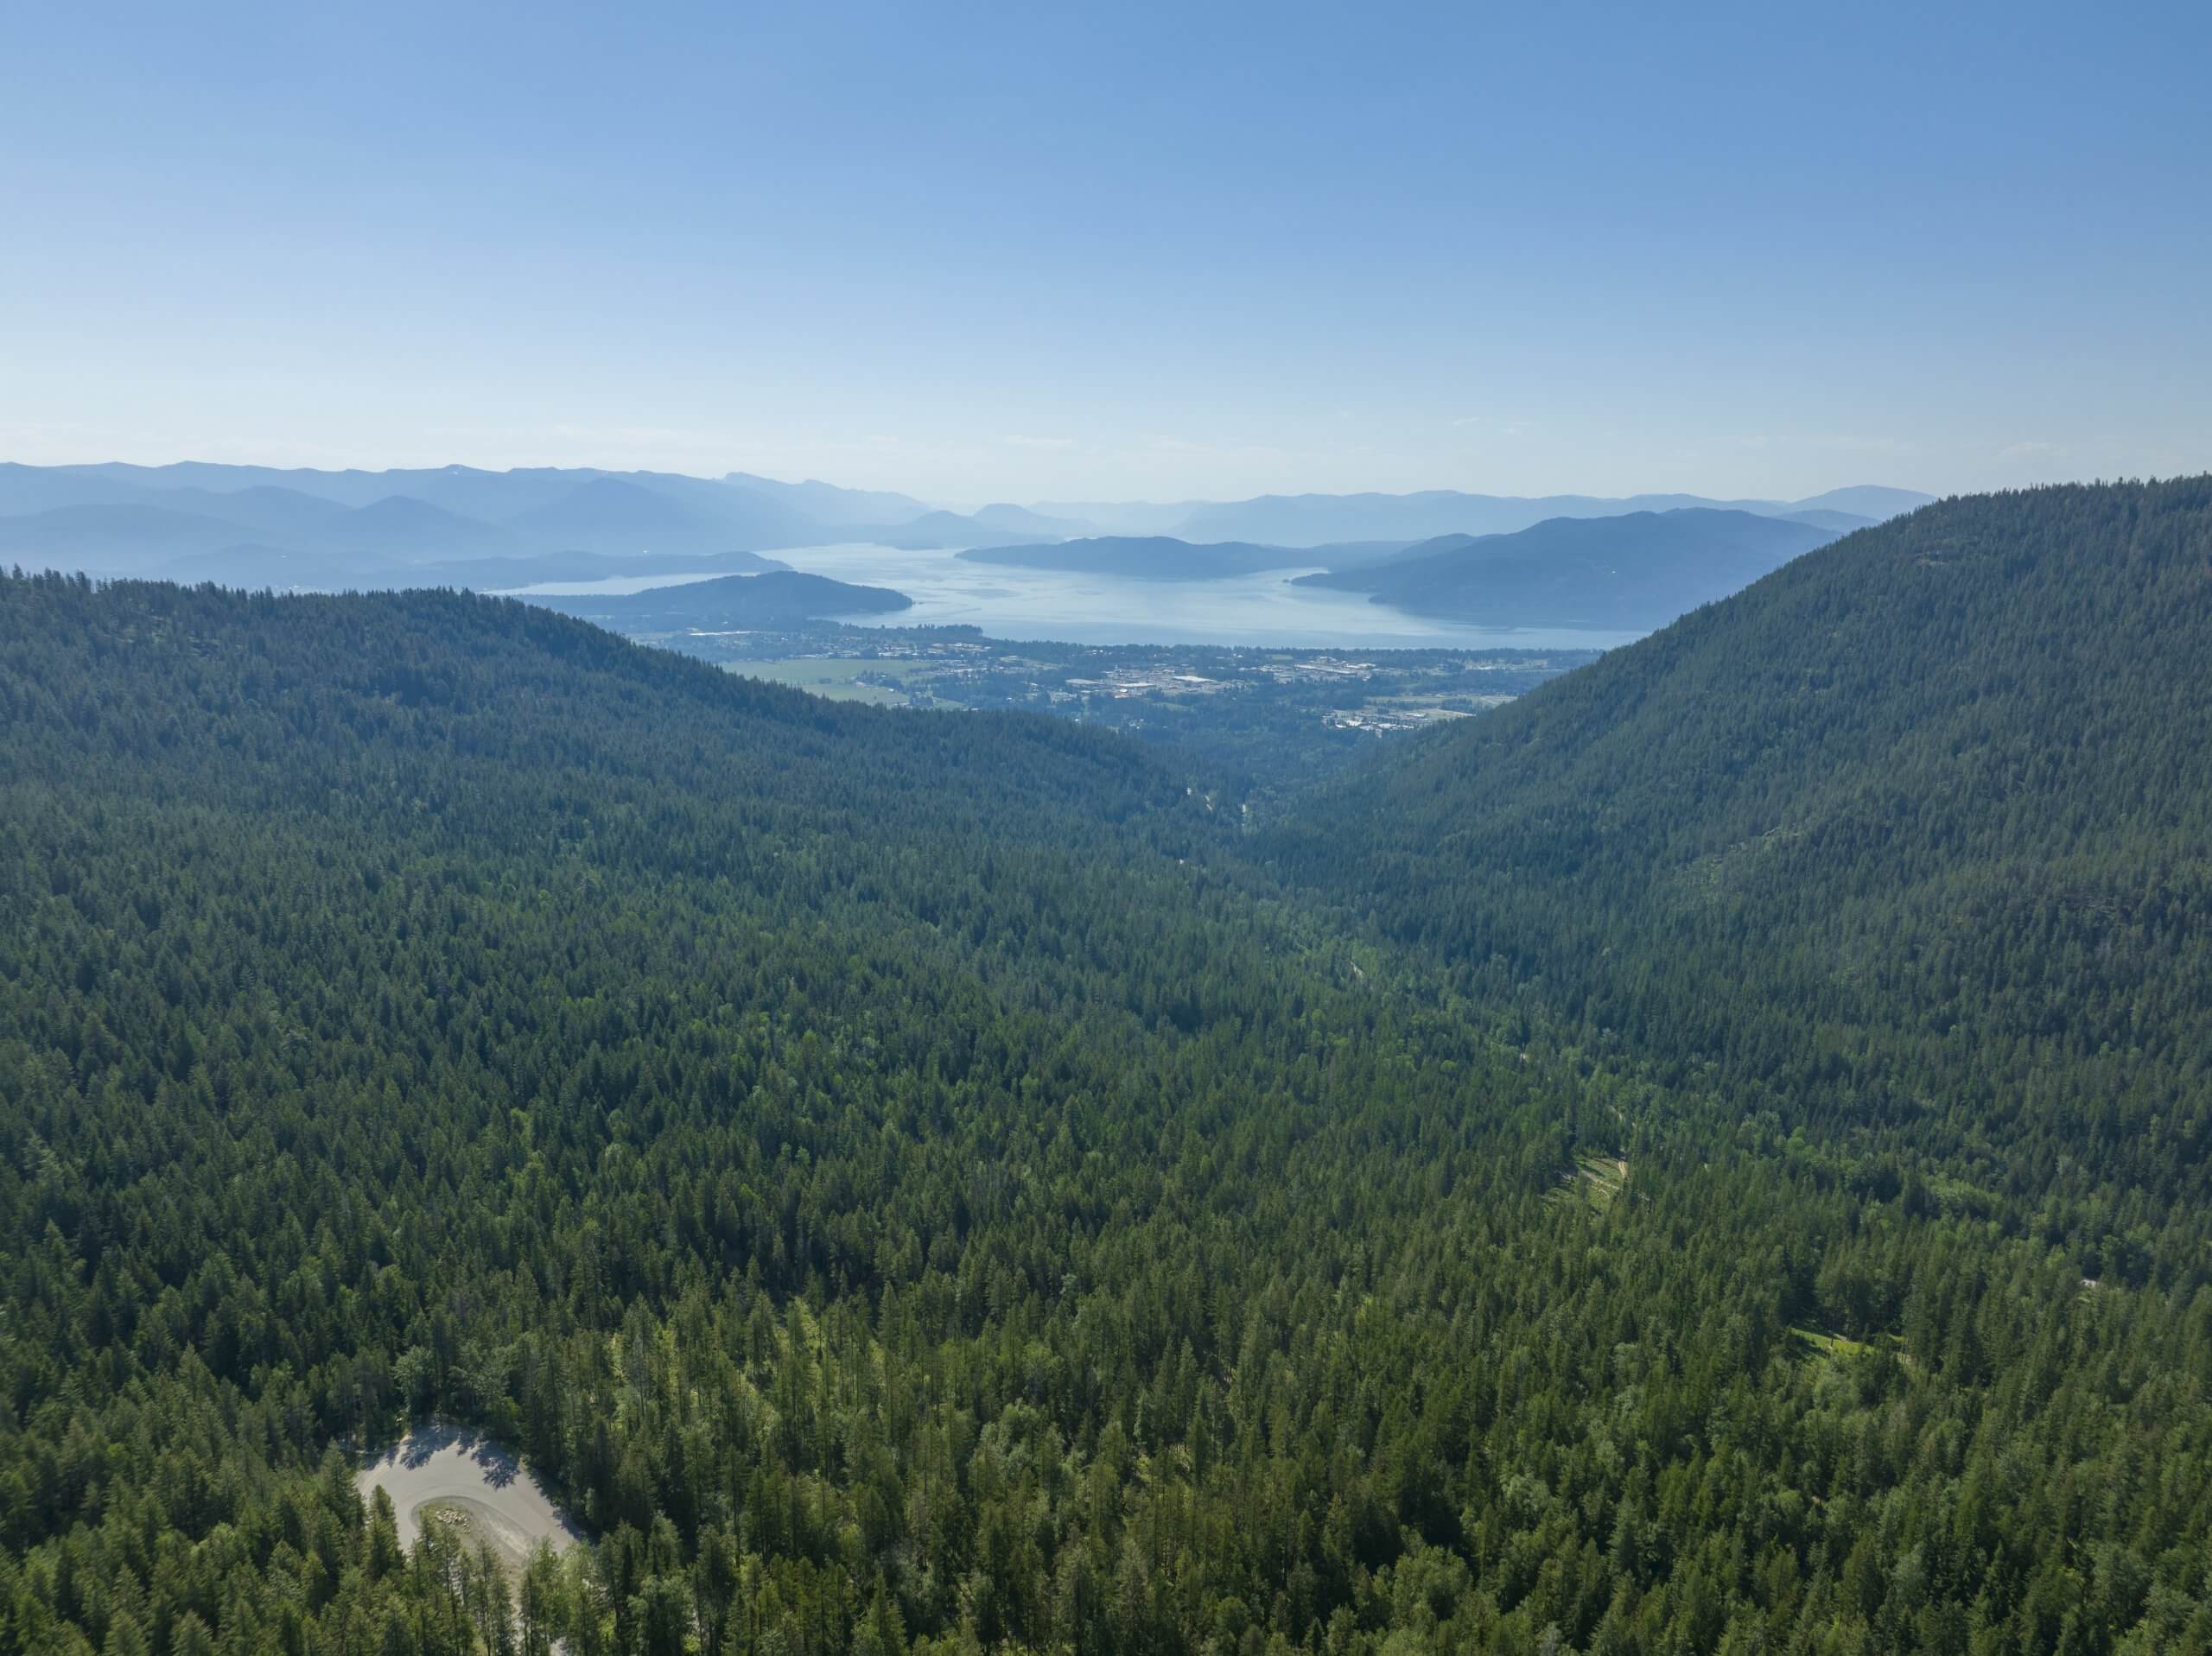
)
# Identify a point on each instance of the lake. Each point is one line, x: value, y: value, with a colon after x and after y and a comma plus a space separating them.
x: 1039, y: 604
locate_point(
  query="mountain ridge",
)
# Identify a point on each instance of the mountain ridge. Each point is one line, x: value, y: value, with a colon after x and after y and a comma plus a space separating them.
x: 1848, y: 835
x: 1633, y: 572
x: 550, y: 509
x: 1149, y: 557
x: 1294, y: 520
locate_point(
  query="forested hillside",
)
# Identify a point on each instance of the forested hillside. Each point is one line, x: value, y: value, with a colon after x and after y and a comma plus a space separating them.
x: 1908, y: 843
x: 914, y: 1182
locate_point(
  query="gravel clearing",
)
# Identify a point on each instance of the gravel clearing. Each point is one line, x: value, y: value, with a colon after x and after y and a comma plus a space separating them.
x: 439, y: 1471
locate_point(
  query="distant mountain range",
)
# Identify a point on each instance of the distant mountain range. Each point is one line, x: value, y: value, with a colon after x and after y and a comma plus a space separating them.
x: 937, y: 530
x: 1021, y: 520
x: 1163, y: 557
x: 456, y: 525
x: 1630, y: 573
x: 1636, y: 572
x: 1314, y: 519
x: 825, y: 502
x: 1130, y: 518
x: 252, y: 525
x: 1146, y: 557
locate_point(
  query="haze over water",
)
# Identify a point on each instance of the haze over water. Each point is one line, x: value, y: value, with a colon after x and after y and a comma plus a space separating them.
x: 1035, y: 604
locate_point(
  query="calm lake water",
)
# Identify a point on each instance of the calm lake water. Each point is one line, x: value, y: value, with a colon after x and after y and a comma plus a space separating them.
x: 1263, y: 609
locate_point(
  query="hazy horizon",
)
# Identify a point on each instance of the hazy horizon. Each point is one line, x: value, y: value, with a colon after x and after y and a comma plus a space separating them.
x: 1015, y: 254
x: 1029, y: 500
x: 1033, y: 492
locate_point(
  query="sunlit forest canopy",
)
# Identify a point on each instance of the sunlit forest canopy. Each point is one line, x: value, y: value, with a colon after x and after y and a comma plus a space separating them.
x: 1707, y: 1157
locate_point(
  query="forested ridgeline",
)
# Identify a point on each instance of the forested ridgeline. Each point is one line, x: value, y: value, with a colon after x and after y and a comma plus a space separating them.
x: 907, y: 1185
x: 1910, y: 842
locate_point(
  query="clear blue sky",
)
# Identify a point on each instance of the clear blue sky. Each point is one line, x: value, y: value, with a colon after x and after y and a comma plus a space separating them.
x: 981, y: 252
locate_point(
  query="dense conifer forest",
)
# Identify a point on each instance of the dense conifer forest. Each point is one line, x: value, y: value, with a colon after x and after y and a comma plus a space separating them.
x: 1911, y: 845
x: 1707, y: 1158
